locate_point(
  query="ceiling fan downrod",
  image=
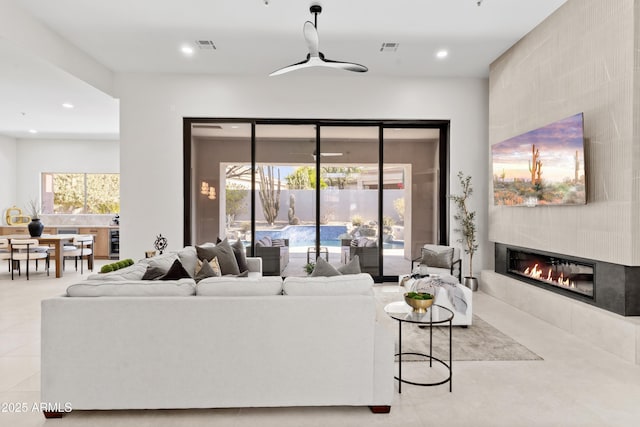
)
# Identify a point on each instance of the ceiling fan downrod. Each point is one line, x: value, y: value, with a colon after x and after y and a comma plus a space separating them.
x: 315, y: 9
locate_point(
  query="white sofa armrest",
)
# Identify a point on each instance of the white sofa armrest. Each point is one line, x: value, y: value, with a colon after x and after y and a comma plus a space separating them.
x: 254, y: 264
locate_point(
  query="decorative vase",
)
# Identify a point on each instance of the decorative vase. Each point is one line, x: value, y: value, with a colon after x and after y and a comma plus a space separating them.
x: 35, y: 227
x: 471, y: 283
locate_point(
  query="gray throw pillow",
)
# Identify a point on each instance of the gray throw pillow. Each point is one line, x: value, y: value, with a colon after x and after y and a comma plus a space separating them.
x: 153, y: 273
x: 437, y: 259
x: 323, y: 268
x: 225, y: 254
x: 240, y: 253
x: 352, y: 267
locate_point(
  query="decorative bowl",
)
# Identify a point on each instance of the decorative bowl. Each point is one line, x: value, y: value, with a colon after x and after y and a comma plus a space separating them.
x: 419, y: 301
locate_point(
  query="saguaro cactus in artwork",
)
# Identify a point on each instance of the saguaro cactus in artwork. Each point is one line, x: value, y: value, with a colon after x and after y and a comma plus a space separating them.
x: 535, y: 166
x: 269, y: 193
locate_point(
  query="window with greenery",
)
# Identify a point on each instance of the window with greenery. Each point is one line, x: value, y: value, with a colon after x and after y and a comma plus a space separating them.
x: 80, y: 193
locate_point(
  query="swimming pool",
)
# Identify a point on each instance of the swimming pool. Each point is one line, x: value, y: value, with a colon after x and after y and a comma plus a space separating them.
x: 305, y: 235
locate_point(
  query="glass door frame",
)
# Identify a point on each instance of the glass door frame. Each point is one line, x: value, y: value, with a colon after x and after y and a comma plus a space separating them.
x: 443, y: 162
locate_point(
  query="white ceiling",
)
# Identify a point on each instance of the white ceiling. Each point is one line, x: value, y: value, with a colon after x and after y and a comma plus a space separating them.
x: 251, y: 39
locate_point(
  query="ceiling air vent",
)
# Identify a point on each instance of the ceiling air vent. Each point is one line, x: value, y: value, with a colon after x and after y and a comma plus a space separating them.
x: 206, y: 44
x: 389, y: 47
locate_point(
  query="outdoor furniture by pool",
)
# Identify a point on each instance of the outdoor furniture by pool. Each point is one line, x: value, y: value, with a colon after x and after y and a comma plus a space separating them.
x: 274, y: 254
x: 311, y: 250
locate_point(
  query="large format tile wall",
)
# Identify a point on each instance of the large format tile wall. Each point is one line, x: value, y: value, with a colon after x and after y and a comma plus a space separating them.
x: 580, y: 59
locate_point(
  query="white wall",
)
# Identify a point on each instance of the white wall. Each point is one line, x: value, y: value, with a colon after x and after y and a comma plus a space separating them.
x: 7, y: 174
x: 37, y: 156
x: 569, y: 64
x: 152, y: 107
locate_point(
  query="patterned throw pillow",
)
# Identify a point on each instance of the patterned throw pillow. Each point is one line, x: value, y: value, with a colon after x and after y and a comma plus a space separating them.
x: 206, y: 269
x: 437, y: 259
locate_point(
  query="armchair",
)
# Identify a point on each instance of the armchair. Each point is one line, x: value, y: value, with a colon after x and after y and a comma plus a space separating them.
x: 439, y: 259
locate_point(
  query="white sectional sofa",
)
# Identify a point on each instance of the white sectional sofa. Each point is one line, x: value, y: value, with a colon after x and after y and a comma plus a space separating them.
x: 237, y: 342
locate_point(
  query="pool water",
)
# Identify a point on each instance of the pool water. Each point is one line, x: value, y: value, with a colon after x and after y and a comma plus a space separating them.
x: 305, y: 236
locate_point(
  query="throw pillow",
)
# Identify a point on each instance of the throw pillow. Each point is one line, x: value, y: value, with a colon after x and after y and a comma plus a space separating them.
x: 189, y: 258
x: 437, y: 259
x: 207, y: 269
x: 153, y: 273
x: 176, y: 272
x: 225, y: 254
x: 278, y: 242
x: 352, y: 267
x: 240, y: 253
x: 323, y: 268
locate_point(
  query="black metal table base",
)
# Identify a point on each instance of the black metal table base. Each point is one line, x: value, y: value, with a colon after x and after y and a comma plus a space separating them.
x: 429, y: 356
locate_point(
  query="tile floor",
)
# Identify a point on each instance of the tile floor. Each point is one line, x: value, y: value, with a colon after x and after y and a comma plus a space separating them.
x: 576, y: 384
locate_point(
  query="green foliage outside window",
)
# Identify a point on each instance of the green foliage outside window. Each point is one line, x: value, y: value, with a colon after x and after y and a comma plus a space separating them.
x: 79, y: 193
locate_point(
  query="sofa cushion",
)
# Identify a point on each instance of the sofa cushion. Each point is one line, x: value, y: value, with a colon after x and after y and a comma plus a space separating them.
x: 133, y: 288
x: 225, y: 254
x: 133, y: 272
x: 352, y: 267
x: 439, y: 257
x: 352, y: 284
x: 323, y: 268
x: 176, y: 272
x: 233, y: 286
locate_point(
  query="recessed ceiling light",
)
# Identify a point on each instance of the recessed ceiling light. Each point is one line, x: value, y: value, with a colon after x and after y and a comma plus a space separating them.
x: 67, y: 105
x: 235, y: 127
x: 33, y: 131
x: 442, y: 53
x: 187, y: 50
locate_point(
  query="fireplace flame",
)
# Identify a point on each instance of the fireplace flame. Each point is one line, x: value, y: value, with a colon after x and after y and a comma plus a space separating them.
x: 537, y: 273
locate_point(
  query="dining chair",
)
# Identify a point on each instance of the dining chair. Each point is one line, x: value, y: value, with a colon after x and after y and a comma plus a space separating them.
x: 27, y: 250
x: 81, y: 247
x: 5, y: 253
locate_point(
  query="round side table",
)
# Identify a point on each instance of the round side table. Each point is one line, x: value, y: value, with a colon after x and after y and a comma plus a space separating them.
x: 436, y: 314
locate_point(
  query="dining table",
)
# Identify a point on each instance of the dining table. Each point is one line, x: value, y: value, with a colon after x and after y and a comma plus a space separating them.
x: 55, y: 240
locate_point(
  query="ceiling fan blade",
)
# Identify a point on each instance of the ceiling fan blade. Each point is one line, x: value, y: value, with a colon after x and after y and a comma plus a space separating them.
x: 298, y: 66
x: 311, y: 36
x: 349, y: 66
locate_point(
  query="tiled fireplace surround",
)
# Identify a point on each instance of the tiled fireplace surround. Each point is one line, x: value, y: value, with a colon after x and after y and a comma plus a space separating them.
x: 616, y: 287
x: 610, y: 321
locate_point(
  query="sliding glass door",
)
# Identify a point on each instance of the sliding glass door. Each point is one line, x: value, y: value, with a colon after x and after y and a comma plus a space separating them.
x: 285, y: 217
x: 349, y: 158
x: 293, y: 191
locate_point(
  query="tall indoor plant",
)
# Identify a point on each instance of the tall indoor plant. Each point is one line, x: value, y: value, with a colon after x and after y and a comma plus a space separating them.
x: 466, y: 226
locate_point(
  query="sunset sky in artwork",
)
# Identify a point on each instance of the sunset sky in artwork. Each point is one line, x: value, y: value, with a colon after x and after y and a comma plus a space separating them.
x: 557, y: 144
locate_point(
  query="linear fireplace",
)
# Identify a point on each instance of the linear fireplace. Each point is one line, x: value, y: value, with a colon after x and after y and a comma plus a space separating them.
x: 567, y: 274
x: 612, y: 287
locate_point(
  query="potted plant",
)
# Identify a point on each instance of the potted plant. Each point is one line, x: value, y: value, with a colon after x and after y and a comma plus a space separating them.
x: 35, y: 226
x: 466, y: 226
x: 308, y: 268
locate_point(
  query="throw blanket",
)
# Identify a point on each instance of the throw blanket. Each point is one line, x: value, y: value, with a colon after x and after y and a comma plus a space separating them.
x: 433, y: 284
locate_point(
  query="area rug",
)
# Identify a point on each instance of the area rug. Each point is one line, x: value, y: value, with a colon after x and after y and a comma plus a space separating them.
x: 478, y: 342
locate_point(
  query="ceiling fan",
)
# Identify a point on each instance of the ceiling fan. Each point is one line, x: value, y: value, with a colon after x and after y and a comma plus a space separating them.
x: 315, y: 58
